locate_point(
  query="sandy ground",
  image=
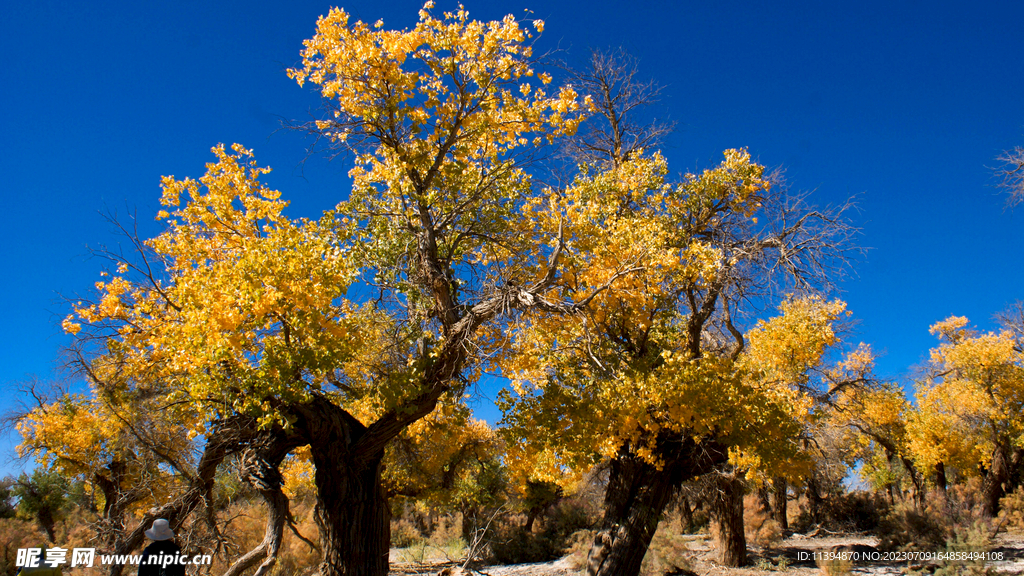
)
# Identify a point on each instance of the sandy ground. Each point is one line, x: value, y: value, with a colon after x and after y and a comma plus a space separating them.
x: 798, y: 550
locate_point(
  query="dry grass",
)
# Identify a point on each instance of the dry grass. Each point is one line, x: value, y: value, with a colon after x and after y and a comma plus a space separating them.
x: 761, y: 529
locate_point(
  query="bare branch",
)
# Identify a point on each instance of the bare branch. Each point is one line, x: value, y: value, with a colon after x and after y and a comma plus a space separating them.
x: 611, y: 81
x: 1010, y: 173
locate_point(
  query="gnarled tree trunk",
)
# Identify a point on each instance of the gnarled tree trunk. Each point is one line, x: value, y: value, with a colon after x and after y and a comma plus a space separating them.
x: 637, y: 493
x: 780, y: 493
x: 813, y: 500
x: 636, y: 496
x: 997, y: 480
x: 352, y: 512
x: 353, y: 516
x: 261, y: 464
x: 727, y: 510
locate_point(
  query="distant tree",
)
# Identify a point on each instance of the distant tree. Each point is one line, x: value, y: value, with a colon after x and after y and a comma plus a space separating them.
x: 8, y: 505
x: 448, y: 462
x: 539, y: 496
x: 971, y: 408
x: 122, y: 445
x: 877, y: 418
x: 42, y: 496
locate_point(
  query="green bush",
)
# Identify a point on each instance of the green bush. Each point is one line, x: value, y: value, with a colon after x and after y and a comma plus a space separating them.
x: 906, y: 528
x: 404, y: 534
x: 972, y: 540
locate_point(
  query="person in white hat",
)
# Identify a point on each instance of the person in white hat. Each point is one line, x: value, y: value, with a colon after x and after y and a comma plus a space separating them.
x: 162, y: 557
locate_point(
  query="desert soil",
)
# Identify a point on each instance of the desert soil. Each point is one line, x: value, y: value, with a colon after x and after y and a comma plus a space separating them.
x: 703, y: 564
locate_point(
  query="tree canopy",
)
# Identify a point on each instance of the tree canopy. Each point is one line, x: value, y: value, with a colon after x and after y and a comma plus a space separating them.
x: 665, y: 327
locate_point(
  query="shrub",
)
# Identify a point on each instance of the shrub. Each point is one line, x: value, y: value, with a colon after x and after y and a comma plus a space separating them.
x: 852, y: 512
x: 973, y: 539
x: 855, y: 511
x: 515, y: 545
x: 761, y: 529
x: 512, y: 544
x: 667, y: 554
x: 404, y: 533
x: 447, y: 532
x: 1011, y: 511
x: 579, y: 547
x: 962, y: 504
x: 779, y: 563
x: 16, y: 533
x: 906, y: 528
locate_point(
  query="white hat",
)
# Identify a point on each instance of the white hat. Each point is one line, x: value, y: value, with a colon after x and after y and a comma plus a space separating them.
x: 161, y: 530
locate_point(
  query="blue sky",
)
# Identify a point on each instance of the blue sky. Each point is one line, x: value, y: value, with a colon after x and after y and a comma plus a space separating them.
x: 903, y: 104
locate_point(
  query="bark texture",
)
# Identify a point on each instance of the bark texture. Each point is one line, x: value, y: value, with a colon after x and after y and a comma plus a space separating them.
x: 940, y: 478
x: 780, y: 493
x: 997, y: 480
x: 261, y: 464
x: 813, y: 500
x: 352, y: 512
x: 637, y: 494
x: 728, y: 513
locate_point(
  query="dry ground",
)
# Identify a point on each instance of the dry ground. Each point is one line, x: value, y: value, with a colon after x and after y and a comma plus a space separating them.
x: 703, y: 564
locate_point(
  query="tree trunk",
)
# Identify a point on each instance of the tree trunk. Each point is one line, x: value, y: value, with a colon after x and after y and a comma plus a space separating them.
x: 260, y: 467
x: 728, y: 514
x: 918, y: 481
x: 687, y: 513
x: 469, y: 523
x: 940, y: 478
x: 530, y: 518
x: 352, y: 512
x: 636, y: 496
x: 354, y: 520
x: 764, y: 499
x: 780, y: 490
x: 45, y: 517
x: 997, y: 479
x: 814, y: 500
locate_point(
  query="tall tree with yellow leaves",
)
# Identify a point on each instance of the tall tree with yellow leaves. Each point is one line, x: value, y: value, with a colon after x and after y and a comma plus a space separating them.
x: 877, y: 417
x: 650, y: 377
x: 265, y: 333
x: 129, y: 453
x: 971, y: 408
